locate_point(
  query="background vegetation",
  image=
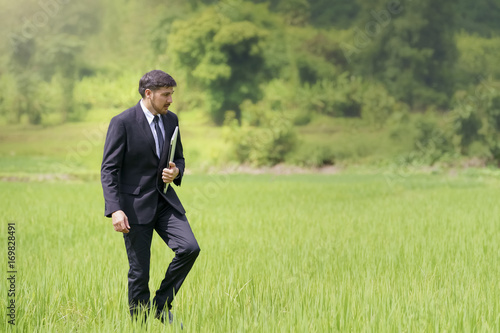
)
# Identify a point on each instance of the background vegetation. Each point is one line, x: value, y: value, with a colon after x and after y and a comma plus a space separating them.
x: 302, y: 82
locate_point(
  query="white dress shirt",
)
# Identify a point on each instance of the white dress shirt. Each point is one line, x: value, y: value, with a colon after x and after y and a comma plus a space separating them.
x: 150, y: 118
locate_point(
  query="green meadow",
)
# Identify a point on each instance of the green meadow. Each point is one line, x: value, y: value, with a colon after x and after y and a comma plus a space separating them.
x: 294, y: 253
x: 372, y: 250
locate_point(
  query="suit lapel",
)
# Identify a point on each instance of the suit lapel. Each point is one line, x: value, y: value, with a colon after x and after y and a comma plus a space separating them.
x: 146, y: 130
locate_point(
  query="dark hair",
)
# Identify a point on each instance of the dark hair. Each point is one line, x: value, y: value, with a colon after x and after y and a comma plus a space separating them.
x: 154, y: 80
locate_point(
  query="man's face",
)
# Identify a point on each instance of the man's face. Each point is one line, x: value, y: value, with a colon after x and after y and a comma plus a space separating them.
x: 159, y: 100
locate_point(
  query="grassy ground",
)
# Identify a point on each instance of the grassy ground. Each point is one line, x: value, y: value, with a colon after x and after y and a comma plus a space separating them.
x: 386, y: 252
x: 308, y: 253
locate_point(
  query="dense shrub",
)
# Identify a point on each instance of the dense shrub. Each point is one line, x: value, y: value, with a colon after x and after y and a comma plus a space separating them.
x: 432, y: 141
x: 478, y: 58
x: 350, y: 96
x: 312, y: 155
x: 265, y: 139
x: 476, y: 117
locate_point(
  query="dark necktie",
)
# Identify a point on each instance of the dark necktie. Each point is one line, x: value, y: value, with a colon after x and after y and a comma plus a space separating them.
x: 158, y: 133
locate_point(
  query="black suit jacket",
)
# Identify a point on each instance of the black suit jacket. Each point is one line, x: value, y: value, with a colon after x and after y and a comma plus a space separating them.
x: 131, y: 170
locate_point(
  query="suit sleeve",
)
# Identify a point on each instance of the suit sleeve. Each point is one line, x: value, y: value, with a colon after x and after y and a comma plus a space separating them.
x: 179, y: 159
x: 114, y: 148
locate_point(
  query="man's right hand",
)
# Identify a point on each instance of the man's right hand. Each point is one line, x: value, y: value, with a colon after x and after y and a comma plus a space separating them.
x: 120, y: 221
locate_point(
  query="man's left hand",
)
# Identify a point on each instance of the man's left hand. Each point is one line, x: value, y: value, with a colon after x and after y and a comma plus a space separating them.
x: 168, y: 175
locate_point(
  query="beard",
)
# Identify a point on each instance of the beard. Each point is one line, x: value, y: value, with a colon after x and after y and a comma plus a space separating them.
x: 159, y: 108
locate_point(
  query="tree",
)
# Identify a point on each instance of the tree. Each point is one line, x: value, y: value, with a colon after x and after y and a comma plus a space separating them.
x: 26, y: 80
x: 327, y: 13
x: 479, y: 16
x: 476, y: 117
x: 296, y: 12
x: 221, y: 50
x: 410, y: 47
x: 49, y: 44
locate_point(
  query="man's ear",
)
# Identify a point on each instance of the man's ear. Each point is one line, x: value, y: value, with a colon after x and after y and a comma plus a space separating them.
x: 148, y: 92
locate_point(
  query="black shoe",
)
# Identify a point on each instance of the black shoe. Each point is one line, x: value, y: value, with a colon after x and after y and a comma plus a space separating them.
x: 162, y: 316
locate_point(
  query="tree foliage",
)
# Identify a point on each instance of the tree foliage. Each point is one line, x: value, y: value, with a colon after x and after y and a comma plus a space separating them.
x: 410, y: 48
x: 476, y: 118
x: 269, y: 59
x: 45, y: 55
x: 223, y: 52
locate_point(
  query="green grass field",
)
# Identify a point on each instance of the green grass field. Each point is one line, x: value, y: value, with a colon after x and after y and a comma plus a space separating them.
x: 301, y: 253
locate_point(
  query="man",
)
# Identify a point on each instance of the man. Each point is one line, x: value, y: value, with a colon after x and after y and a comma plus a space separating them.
x: 134, y: 174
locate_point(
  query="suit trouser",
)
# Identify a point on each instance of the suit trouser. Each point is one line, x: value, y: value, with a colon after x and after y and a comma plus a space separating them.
x: 175, y: 231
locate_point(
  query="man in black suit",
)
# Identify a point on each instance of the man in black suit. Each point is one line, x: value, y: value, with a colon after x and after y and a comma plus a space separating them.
x: 134, y: 174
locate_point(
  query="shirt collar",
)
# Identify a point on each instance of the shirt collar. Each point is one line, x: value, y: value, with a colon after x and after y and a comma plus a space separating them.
x: 149, y: 116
